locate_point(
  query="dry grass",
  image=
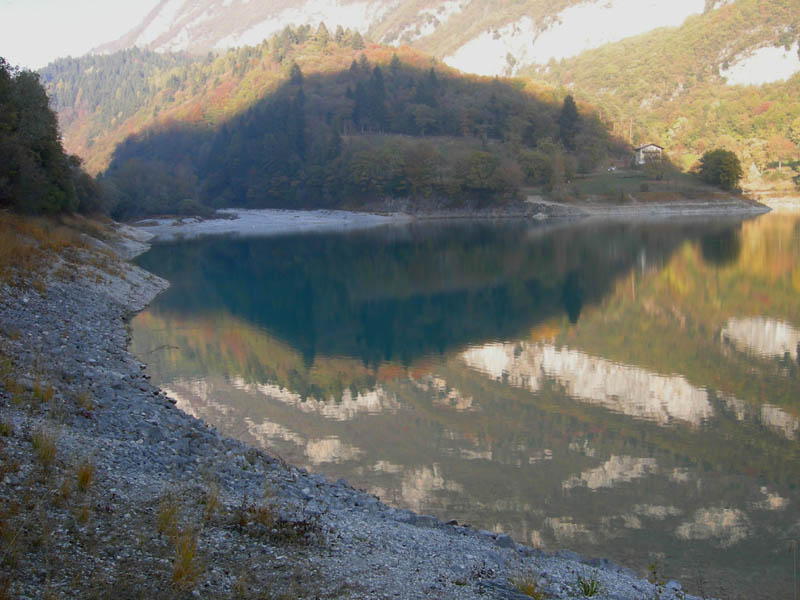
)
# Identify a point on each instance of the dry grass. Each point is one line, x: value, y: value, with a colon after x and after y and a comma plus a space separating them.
x: 85, y: 475
x: 186, y: 564
x: 529, y: 584
x: 44, y: 447
x: 263, y: 515
x: 211, y: 503
x: 15, y: 390
x: 27, y: 243
x: 43, y: 393
x: 167, y: 516
x: 84, y: 401
x: 82, y: 514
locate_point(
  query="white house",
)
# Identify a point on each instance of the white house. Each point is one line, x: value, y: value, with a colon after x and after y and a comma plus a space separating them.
x: 646, y: 153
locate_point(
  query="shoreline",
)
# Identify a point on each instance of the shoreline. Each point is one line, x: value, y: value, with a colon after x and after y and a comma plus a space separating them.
x: 267, y: 221
x: 300, y: 533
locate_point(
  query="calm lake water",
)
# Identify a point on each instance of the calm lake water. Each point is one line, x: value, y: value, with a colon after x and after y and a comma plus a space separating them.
x: 626, y: 390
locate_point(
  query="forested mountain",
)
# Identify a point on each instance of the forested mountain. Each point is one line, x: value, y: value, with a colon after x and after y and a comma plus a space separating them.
x: 36, y: 175
x: 689, y: 74
x: 688, y: 89
x: 310, y: 118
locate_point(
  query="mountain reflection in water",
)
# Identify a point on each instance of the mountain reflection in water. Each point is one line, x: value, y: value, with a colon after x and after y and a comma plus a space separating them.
x: 626, y: 390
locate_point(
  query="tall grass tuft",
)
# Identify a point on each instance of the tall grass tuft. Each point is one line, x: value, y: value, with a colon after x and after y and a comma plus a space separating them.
x: 186, y: 565
x: 529, y: 584
x: 167, y: 517
x: 44, y: 447
x: 85, y: 474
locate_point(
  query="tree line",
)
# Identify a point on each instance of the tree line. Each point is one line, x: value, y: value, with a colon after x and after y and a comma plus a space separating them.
x: 36, y: 174
x: 376, y: 129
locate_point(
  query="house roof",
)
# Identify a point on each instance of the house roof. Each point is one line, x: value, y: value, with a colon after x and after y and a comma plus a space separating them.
x: 647, y: 146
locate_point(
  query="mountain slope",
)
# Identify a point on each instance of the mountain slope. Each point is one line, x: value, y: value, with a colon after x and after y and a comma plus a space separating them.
x: 303, y: 120
x: 492, y: 37
x: 680, y: 87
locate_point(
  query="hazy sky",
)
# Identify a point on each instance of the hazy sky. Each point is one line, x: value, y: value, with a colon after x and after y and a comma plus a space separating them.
x: 35, y: 32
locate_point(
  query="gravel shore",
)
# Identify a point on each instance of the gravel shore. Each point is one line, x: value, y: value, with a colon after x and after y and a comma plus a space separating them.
x: 255, y: 222
x: 107, y: 489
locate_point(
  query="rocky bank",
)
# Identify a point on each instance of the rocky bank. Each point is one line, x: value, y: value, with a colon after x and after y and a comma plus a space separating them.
x: 108, y: 490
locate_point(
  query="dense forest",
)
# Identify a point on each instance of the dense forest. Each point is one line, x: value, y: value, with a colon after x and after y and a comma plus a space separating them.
x: 36, y: 175
x: 308, y: 119
x: 668, y: 87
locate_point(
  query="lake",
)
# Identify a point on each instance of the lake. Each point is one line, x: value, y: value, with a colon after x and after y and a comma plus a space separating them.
x: 628, y: 390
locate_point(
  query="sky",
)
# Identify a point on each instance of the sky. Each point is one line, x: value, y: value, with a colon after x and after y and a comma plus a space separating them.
x: 36, y: 32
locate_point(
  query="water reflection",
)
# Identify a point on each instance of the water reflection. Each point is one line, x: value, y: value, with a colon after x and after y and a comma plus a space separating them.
x: 767, y: 338
x: 622, y: 388
x: 619, y: 389
x: 615, y: 470
x: 721, y: 247
x: 404, y: 293
x: 345, y: 408
x: 724, y: 527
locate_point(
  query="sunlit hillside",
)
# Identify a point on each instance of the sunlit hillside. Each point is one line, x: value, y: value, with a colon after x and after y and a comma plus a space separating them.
x: 727, y: 78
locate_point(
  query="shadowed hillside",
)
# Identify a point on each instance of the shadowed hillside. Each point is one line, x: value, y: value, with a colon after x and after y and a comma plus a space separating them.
x: 306, y: 120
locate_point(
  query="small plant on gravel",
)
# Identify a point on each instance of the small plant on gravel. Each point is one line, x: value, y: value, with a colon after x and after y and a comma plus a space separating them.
x: 6, y: 429
x: 589, y: 587
x: 63, y: 492
x: 186, y: 566
x: 263, y: 515
x: 529, y: 584
x: 211, y: 502
x: 167, y: 517
x: 42, y: 393
x: 16, y: 391
x: 84, y: 401
x: 39, y: 285
x: 85, y: 474
x: 44, y: 447
x: 241, y: 514
x: 82, y: 514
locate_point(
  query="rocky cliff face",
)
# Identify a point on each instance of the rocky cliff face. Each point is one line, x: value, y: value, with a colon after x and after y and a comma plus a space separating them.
x: 471, y: 36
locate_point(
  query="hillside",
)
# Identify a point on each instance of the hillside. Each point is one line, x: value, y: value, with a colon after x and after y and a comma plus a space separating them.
x: 305, y: 119
x: 494, y: 37
x: 688, y: 90
x: 690, y: 75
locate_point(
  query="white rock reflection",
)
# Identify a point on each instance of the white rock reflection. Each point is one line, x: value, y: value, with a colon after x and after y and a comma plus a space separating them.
x: 267, y: 432
x: 621, y: 388
x: 347, y: 408
x: 762, y: 336
x: 444, y: 394
x: 584, y: 449
x: 468, y: 454
x: 769, y: 415
x: 656, y: 511
x: 566, y: 530
x: 780, y: 420
x: 419, y: 486
x: 724, y: 526
x: 679, y: 475
x: 331, y: 450
x: 319, y: 451
x: 384, y: 466
x: 195, y: 397
x: 771, y: 500
x: 617, y: 469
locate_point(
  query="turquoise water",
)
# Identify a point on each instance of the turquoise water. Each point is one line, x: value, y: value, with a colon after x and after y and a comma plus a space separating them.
x: 626, y: 390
